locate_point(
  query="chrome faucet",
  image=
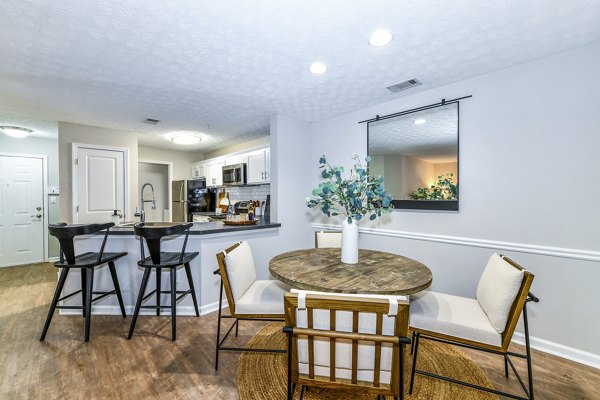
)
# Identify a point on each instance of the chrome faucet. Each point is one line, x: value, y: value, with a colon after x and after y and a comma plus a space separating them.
x: 142, y: 213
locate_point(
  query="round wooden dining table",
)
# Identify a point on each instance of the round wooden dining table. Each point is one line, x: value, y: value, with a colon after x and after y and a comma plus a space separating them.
x: 376, y: 272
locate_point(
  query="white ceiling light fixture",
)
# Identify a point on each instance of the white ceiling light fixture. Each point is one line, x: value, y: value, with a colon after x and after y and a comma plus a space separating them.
x: 380, y: 38
x: 420, y: 121
x: 317, y: 68
x: 186, y: 138
x: 16, y: 131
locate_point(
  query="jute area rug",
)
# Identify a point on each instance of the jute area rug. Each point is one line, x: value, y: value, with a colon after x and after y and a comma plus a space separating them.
x: 263, y: 376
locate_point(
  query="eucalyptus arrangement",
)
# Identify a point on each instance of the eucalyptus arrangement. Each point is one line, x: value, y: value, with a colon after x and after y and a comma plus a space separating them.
x: 444, y: 189
x: 357, y: 197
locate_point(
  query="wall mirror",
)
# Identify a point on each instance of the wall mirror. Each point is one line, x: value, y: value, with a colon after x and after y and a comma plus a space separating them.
x: 416, y: 152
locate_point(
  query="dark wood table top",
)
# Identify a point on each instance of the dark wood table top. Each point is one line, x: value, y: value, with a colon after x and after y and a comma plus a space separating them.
x: 376, y: 272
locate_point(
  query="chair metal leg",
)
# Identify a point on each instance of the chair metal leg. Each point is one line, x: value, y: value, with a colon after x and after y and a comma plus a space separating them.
x: 173, y: 304
x: 302, y: 392
x: 289, y: 371
x: 412, y: 344
x: 115, y: 279
x: 59, y: 287
x: 219, y: 326
x: 82, y: 272
x: 237, y: 327
x: 158, y: 276
x: 528, y: 352
x: 89, y: 286
x: 506, y: 366
x: 138, y: 304
x: 188, y: 272
x: 414, y: 366
x: 401, y: 352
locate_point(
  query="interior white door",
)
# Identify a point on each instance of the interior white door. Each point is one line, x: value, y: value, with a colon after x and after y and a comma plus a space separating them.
x: 21, y: 210
x: 100, y: 183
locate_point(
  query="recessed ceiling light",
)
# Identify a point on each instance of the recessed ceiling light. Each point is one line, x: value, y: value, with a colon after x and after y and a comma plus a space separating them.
x: 317, y: 68
x: 380, y: 38
x: 186, y: 138
x: 16, y: 131
x: 420, y: 121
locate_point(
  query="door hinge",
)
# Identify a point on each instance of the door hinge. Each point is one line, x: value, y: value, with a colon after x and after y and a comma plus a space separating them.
x: 76, y: 208
x: 76, y: 161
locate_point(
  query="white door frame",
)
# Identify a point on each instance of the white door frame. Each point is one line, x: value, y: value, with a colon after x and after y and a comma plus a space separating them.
x: 45, y: 201
x: 169, y: 165
x: 74, y: 189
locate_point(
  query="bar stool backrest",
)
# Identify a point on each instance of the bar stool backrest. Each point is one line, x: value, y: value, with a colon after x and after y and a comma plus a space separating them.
x: 65, y: 234
x: 153, y: 235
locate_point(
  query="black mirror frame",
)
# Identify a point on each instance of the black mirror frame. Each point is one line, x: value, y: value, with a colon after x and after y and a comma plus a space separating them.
x: 435, y: 205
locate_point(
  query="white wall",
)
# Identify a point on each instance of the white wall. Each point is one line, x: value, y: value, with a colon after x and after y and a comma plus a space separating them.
x: 158, y: 176
x: 529, y: 141
x: 182, y: 160
x: 73, y: 133
x: 263, y: 141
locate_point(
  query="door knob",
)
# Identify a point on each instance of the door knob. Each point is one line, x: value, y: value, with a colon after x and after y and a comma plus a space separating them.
x: 39, y: 208
x: 38, y: 216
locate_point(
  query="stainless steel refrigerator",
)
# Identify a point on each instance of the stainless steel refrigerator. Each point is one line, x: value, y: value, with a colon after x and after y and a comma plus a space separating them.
x: 180, y: 201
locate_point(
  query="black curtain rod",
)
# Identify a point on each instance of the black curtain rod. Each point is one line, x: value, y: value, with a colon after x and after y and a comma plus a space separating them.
x: 442, y: 103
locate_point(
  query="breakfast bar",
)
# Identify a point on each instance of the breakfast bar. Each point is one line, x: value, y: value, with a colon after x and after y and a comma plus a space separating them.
x: 207, y: 238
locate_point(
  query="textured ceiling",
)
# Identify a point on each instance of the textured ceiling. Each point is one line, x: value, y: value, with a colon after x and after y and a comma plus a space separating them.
x: 233, y: 64
x: 434, y: 141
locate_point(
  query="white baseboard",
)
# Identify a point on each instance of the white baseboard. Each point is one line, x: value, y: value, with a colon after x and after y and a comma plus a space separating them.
x: 559, y: 350
x: 115, y: 310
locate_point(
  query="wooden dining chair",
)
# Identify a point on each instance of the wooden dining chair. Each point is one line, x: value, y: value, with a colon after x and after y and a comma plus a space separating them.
x: 328, y: 239
x: 346, y: 342
x: 249, y: 299
x: 486, y: 323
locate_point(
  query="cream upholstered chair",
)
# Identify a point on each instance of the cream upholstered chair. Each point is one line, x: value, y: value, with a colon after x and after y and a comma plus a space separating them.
x: 328, y: 239
x: 248, y: 298
x: 351, y: 342
x: 486, y: 323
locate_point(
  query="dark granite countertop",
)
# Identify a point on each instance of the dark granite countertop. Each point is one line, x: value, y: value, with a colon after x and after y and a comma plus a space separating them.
x: 207, y: 228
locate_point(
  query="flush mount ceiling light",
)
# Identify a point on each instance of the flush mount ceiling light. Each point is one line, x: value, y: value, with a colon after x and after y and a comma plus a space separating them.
x: 16, y: 131
x: 380, y: 38
x: 317, y: 68
x: 420, y: 121
x: 186, y: 138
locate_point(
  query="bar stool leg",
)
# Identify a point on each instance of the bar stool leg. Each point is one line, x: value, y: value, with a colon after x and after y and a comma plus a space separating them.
x: 188, y: 272
x: 115, y: 279
x: 82, y: 272
x: 59, y: 287
x: 158, y: 291
x: 88, y: 302
x: 173, y: 304
x: 138, y: 303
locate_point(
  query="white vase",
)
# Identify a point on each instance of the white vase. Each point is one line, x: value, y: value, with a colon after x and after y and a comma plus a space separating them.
x: 349, y: 242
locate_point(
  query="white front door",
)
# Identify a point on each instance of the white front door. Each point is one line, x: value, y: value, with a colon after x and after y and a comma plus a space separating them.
x: 100, y: 182
x: 21, y: 210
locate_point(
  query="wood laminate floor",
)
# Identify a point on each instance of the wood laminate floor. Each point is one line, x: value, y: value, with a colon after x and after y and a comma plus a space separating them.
x: 150, y: 366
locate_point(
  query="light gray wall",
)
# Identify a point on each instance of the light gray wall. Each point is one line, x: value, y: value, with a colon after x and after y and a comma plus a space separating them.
x: 182, y: 160
x: 263, y: 141
x: 46, y: 147
x: 158, y: 176
x: 73, y: 133
x: 528, y: 171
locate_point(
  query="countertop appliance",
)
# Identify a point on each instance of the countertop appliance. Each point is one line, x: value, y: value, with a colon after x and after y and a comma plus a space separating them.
x: 234, y: 174
x: 189, y: 197
x: 242, y: 206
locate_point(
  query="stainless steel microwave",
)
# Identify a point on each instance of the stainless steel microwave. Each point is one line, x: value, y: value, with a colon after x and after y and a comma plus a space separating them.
x: 234, y: 174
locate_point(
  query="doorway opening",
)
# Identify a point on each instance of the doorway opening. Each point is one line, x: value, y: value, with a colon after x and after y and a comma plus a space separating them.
x: 159, y: 175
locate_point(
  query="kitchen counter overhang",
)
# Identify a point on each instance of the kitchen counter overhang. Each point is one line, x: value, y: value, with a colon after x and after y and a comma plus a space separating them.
x: 206, y: 228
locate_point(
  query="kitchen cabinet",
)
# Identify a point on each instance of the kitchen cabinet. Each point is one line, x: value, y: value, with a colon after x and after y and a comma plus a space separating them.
x: 198, y: 170
x: 259, y: 166
x: 214, y: 173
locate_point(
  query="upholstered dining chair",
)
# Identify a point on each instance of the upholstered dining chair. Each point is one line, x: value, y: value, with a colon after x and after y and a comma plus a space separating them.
x: 346, y: 341
x: 248, y: 299
x: 486, y: 323
x: 328, y: 239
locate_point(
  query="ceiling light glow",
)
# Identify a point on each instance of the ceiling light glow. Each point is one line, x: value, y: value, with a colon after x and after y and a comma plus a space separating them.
x: 317, y: 68
x: 420, y: 121
x: 15, y: 131
x: 186, y: 138
x: 380, y: 38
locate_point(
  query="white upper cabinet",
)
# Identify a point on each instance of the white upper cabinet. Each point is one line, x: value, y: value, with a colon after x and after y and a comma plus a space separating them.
x: 198, y: 170
x: 258, y: 166
x: 214, y: 173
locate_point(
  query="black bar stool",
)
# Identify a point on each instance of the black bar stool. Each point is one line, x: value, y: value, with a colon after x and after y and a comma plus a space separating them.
x: 86, y: 262
x: 157, y: 261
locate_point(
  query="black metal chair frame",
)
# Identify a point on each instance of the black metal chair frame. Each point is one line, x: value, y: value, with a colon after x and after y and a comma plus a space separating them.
x: 235, y: 324
x: 506, y: 355
x: 65, y: 234
x: 153, y: 237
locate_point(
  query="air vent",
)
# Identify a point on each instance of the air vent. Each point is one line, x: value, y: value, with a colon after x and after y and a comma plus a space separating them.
x: 151, y: 121
x: 403, y: 85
